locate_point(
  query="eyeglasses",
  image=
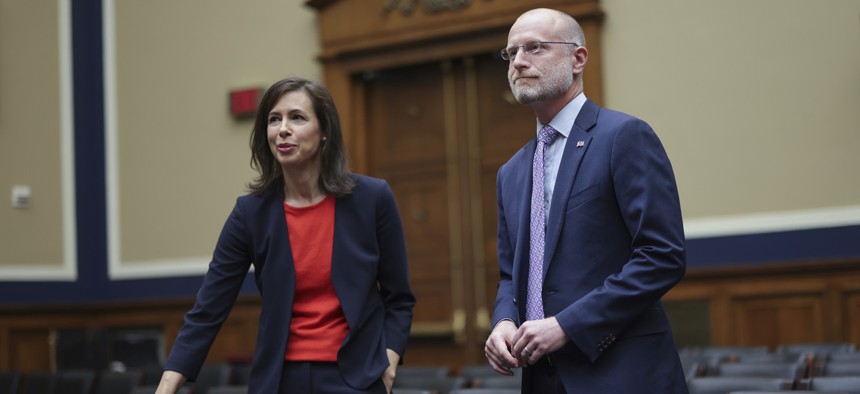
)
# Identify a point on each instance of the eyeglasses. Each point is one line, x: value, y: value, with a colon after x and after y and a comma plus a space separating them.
x: 531, y: 48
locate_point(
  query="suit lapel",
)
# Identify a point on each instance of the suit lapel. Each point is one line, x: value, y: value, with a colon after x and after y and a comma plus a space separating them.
x: 346, y: 277
x: 574, y: 150
x: 280, y: 266
x: 341, y: 225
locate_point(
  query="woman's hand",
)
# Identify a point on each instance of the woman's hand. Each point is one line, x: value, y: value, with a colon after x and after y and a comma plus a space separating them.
x: 170, y: 382
x: 391, y: 371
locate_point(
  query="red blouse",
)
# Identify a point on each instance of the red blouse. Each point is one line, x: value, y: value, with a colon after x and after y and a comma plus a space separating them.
x: 318, y: 326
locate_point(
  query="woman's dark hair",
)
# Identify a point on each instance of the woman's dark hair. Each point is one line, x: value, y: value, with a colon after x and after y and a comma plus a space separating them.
x: 334, y: 176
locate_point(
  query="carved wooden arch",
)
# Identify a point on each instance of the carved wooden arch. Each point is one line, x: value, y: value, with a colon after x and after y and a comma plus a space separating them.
x: 358, y: 36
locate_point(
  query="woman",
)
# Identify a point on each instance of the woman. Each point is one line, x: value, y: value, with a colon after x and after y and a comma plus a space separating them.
x: 329, y: 258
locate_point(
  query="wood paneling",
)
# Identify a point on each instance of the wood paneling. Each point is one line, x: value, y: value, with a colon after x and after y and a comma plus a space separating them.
x: 30, y: 349
x: 776, y: 320
x: 851, y: 324
x: 776, y: 304
x: 26, y: 332
x: 770, y: 305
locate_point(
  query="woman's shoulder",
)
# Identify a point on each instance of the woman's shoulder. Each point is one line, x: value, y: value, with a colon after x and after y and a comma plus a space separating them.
x: 370, y: 190
x: 255, y: 199
x: 366, y: 182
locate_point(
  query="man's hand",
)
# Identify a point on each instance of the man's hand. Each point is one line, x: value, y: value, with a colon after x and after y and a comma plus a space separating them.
x: 498, y: 348
x: 536, y: 338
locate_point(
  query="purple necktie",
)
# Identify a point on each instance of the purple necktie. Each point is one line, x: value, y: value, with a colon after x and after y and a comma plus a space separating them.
x: 534, y: 301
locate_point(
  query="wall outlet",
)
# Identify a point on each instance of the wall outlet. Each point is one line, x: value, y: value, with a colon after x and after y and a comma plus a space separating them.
x: 21, y: 195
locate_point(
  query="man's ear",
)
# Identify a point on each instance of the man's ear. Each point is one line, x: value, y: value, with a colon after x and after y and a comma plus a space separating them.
x: 579, y: 58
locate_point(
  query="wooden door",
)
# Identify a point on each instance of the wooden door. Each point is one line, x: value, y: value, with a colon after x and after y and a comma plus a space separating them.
x: 438, y: 132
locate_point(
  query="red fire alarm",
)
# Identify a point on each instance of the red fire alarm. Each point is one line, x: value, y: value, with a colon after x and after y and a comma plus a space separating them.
x: 243, y: 102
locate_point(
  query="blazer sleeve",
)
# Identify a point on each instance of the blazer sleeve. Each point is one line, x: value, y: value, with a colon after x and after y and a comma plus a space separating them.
x: 649, y: 206
x: 393, y: 272
x: 221, y: 285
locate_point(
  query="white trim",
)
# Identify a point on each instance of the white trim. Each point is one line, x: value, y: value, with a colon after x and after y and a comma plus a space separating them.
x: 111, y: 155
x: 67, y: 122
x: 771, y: 222
x: 162, y: 268
x: 68, y: 272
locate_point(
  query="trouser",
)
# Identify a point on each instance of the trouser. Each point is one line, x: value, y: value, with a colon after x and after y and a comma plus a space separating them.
x: 542, y: 378
x: 311, y: 377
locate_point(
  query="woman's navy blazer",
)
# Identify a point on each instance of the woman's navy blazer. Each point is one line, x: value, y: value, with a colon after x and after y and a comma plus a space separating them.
x: 368, y: 269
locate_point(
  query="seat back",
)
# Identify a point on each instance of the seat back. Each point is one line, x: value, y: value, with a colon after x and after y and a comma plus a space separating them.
x: 414, y: 391
x: 724, y: 384
x: 9, y: 382
x: 791, y: 371
x: 847, y: 384
x: 471, y: 372
x: 732, y: 351
x: 817, y: 348
x: 241, y: 374
x: 485, y: 391
x: 149, y: 389
x: 499, y: 382
x: 440, y: 385
x: 837, y: 368
x: 118, y: 382
x: 786, y: 392
x: 229, y: 390
x: 844, y: 357
x: 437, y: 371
x: 40, y: 383
x: 75, y: 382
x: 210, y: 375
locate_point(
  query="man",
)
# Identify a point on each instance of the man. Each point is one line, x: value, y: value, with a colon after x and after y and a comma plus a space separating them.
x: 588, y: 250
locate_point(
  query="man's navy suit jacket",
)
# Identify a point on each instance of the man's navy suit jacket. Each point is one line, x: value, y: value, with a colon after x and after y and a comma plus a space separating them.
x: 614, y: 246
x: 368, y: 249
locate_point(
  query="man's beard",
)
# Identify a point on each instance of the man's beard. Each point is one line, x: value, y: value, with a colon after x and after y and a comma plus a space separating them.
x: 552, y: 84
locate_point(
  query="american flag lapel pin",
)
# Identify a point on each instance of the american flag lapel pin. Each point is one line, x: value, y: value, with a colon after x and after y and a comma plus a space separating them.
x: 580, y: 144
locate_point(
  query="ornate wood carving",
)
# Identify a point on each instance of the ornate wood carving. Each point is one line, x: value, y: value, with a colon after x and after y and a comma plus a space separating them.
x: 407, y: 7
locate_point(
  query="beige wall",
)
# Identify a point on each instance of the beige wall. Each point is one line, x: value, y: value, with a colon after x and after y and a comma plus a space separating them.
x: 756, y: 102
x: 180, y: 159
x: 31, y: 137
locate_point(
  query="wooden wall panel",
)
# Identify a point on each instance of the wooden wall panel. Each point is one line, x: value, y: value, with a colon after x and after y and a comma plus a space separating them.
x: 26, y: 331
x: 30, y: 350
x: 852, y: 316
x: 777, y: 320
x: 776, y: 303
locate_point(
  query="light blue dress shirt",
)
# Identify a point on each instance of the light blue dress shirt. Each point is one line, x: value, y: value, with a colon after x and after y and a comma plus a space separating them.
x: 563, y: 123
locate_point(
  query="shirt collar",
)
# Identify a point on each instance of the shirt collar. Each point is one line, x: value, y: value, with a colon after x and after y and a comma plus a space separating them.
x: 563, y: 121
